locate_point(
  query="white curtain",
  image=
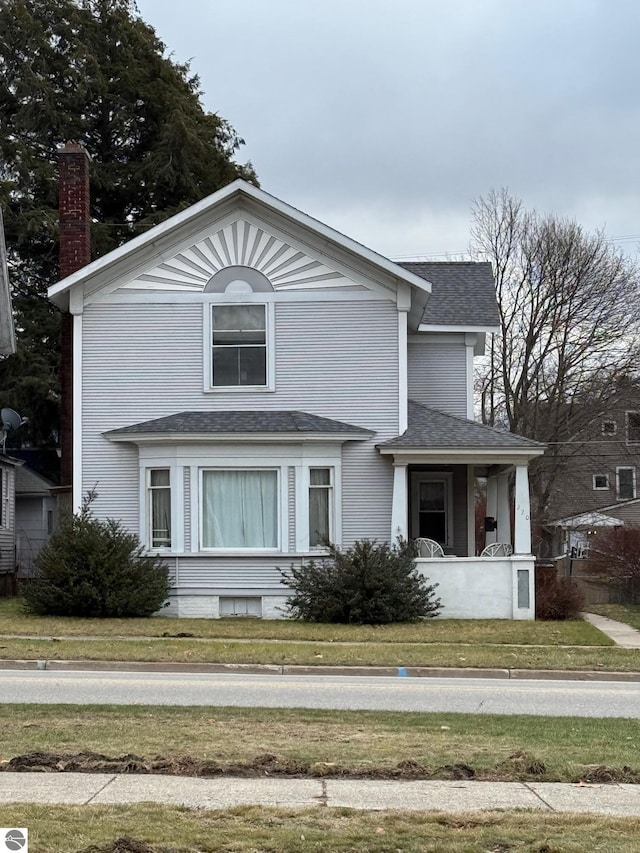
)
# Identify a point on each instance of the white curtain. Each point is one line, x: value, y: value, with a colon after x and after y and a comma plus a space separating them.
x: 240, y: 509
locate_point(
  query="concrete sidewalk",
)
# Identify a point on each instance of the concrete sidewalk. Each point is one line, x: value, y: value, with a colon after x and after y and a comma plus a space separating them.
x: 623, y: 635
x: 370, y: 795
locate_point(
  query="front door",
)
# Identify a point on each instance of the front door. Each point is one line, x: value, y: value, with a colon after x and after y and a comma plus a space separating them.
x: 431, y: 516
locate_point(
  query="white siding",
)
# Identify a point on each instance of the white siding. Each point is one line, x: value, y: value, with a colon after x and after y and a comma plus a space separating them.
x: 437, y: 374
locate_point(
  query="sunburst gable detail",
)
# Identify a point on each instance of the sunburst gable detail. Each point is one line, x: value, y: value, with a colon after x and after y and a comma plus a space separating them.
x: 240, y: 243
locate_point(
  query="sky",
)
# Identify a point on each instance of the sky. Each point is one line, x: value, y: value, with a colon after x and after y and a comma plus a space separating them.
x: 385, y: 120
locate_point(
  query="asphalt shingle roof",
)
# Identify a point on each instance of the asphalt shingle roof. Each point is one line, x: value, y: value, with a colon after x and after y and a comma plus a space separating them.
x: 430, y: 428
x: 29, y: 482
x: 463, y: 292
x: 241, y: 422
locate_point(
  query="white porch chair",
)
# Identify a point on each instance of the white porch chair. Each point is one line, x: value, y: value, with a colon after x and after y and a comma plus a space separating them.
x: 497, y: 549
x: 429, y: 548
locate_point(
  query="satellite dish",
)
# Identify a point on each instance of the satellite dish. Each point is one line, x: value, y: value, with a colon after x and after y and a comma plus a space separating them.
x: 10, y: 419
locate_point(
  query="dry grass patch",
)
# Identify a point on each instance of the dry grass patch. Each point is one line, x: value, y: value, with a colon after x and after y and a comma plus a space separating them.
x: 317, y: 743
x: 93, y: 829
x: 13, y: 620
x: 501, y: 656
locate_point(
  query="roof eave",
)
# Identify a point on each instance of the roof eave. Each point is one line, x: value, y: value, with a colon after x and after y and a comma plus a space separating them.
x: 177, y: 437
x: 462, y: 455
x: 452, y: 327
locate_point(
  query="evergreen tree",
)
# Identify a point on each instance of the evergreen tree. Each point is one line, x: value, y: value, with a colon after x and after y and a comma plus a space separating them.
x: 90, y: 71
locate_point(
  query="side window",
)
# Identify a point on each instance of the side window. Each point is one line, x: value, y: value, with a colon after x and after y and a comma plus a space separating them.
x: 159, y: 507
x: 609, y: 427
x: 600, y: 481
x: 626, y: 483
x: 321, y: 507
x: 633, y: 427
x: 238, y: 346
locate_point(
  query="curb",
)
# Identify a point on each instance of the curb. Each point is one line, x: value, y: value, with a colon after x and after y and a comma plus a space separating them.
x: 343, y: 671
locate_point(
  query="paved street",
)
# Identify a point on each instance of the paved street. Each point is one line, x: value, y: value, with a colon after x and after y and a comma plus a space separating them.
x: 471, y: 695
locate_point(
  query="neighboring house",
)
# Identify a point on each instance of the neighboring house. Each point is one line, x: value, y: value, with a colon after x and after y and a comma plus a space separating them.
x: 598, y: 487
x: 249, y: 383
x: 36, y: 514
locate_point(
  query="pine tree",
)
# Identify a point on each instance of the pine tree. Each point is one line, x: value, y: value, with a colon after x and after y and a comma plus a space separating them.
x: 90, y: 71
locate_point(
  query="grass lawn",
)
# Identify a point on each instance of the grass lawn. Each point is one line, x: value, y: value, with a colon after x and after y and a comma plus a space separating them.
x: 250, y: 829
x: 503, y: 644
x: 502, y: 748
x: 628, y: 613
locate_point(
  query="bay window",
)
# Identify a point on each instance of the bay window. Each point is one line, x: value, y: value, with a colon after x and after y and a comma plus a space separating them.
x: 159, y: 507
x: 240, y: 508
x: 320, y: 507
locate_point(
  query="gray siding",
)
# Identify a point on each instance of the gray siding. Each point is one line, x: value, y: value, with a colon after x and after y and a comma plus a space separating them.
x: 229, y: 575
x: 437, y: 374
x: 31, y: 528
x: 334, y: 359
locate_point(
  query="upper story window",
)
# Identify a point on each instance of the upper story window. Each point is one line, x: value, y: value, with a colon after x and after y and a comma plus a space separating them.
x: 600, y: 481
x: 609, y: 427
x: 239, y: 346
x: 633, y: 427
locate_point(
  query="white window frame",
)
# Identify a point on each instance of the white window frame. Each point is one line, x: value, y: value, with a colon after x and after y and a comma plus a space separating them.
x: 607, y: 432
x: 302, y: 485
x: 269, y: 317
x: 625, y: 468
x: 148, y: 488
x: 597, y: 488
x: 330, y: 489
x: 282, y: 537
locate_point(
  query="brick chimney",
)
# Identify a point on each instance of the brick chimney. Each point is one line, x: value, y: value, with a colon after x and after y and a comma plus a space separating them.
x: 75, y: 253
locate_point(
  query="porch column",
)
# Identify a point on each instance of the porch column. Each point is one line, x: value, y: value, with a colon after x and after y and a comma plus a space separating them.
x: 492, y: 507
x: 522, y: 538
x: 504, y: 509
x: 400, y: 503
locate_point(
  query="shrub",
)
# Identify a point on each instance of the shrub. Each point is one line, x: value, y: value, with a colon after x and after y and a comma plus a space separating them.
x: 614, y: 562
x: 95, y: 568
x: 368, y: 584
x: 556, y: 598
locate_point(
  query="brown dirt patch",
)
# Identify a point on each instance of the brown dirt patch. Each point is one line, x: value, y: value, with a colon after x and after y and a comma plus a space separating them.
x: 126, y: 844
x: 519, y: 766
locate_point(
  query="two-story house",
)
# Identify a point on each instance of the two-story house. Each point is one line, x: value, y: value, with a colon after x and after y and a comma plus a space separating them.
x: 598, y: 486
x: 249, y: 383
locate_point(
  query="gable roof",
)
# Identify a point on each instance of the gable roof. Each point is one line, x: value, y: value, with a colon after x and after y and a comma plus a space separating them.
x: 463, y: 294
x: 31, y: 483
x: 7, y: 330
x: 154, y: 241
x: 432, y: 430
x: 238, y: 424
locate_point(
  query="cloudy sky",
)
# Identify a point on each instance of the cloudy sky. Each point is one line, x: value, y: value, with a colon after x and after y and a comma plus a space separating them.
x: 386, y: 119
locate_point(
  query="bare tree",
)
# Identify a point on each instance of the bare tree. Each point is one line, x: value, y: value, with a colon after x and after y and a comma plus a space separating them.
x: 569, y: 328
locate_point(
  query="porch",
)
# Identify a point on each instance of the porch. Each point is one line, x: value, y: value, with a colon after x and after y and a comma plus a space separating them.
x: 436, y: 464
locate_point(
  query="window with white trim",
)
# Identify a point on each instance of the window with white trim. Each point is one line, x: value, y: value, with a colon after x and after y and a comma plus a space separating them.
x: 609, y: 427
x: 239, y: 346
x: 159, y: 507
x: 600, y: 482
x: 239, y: 508
x: 321, y: 507
x: 625, y: 483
